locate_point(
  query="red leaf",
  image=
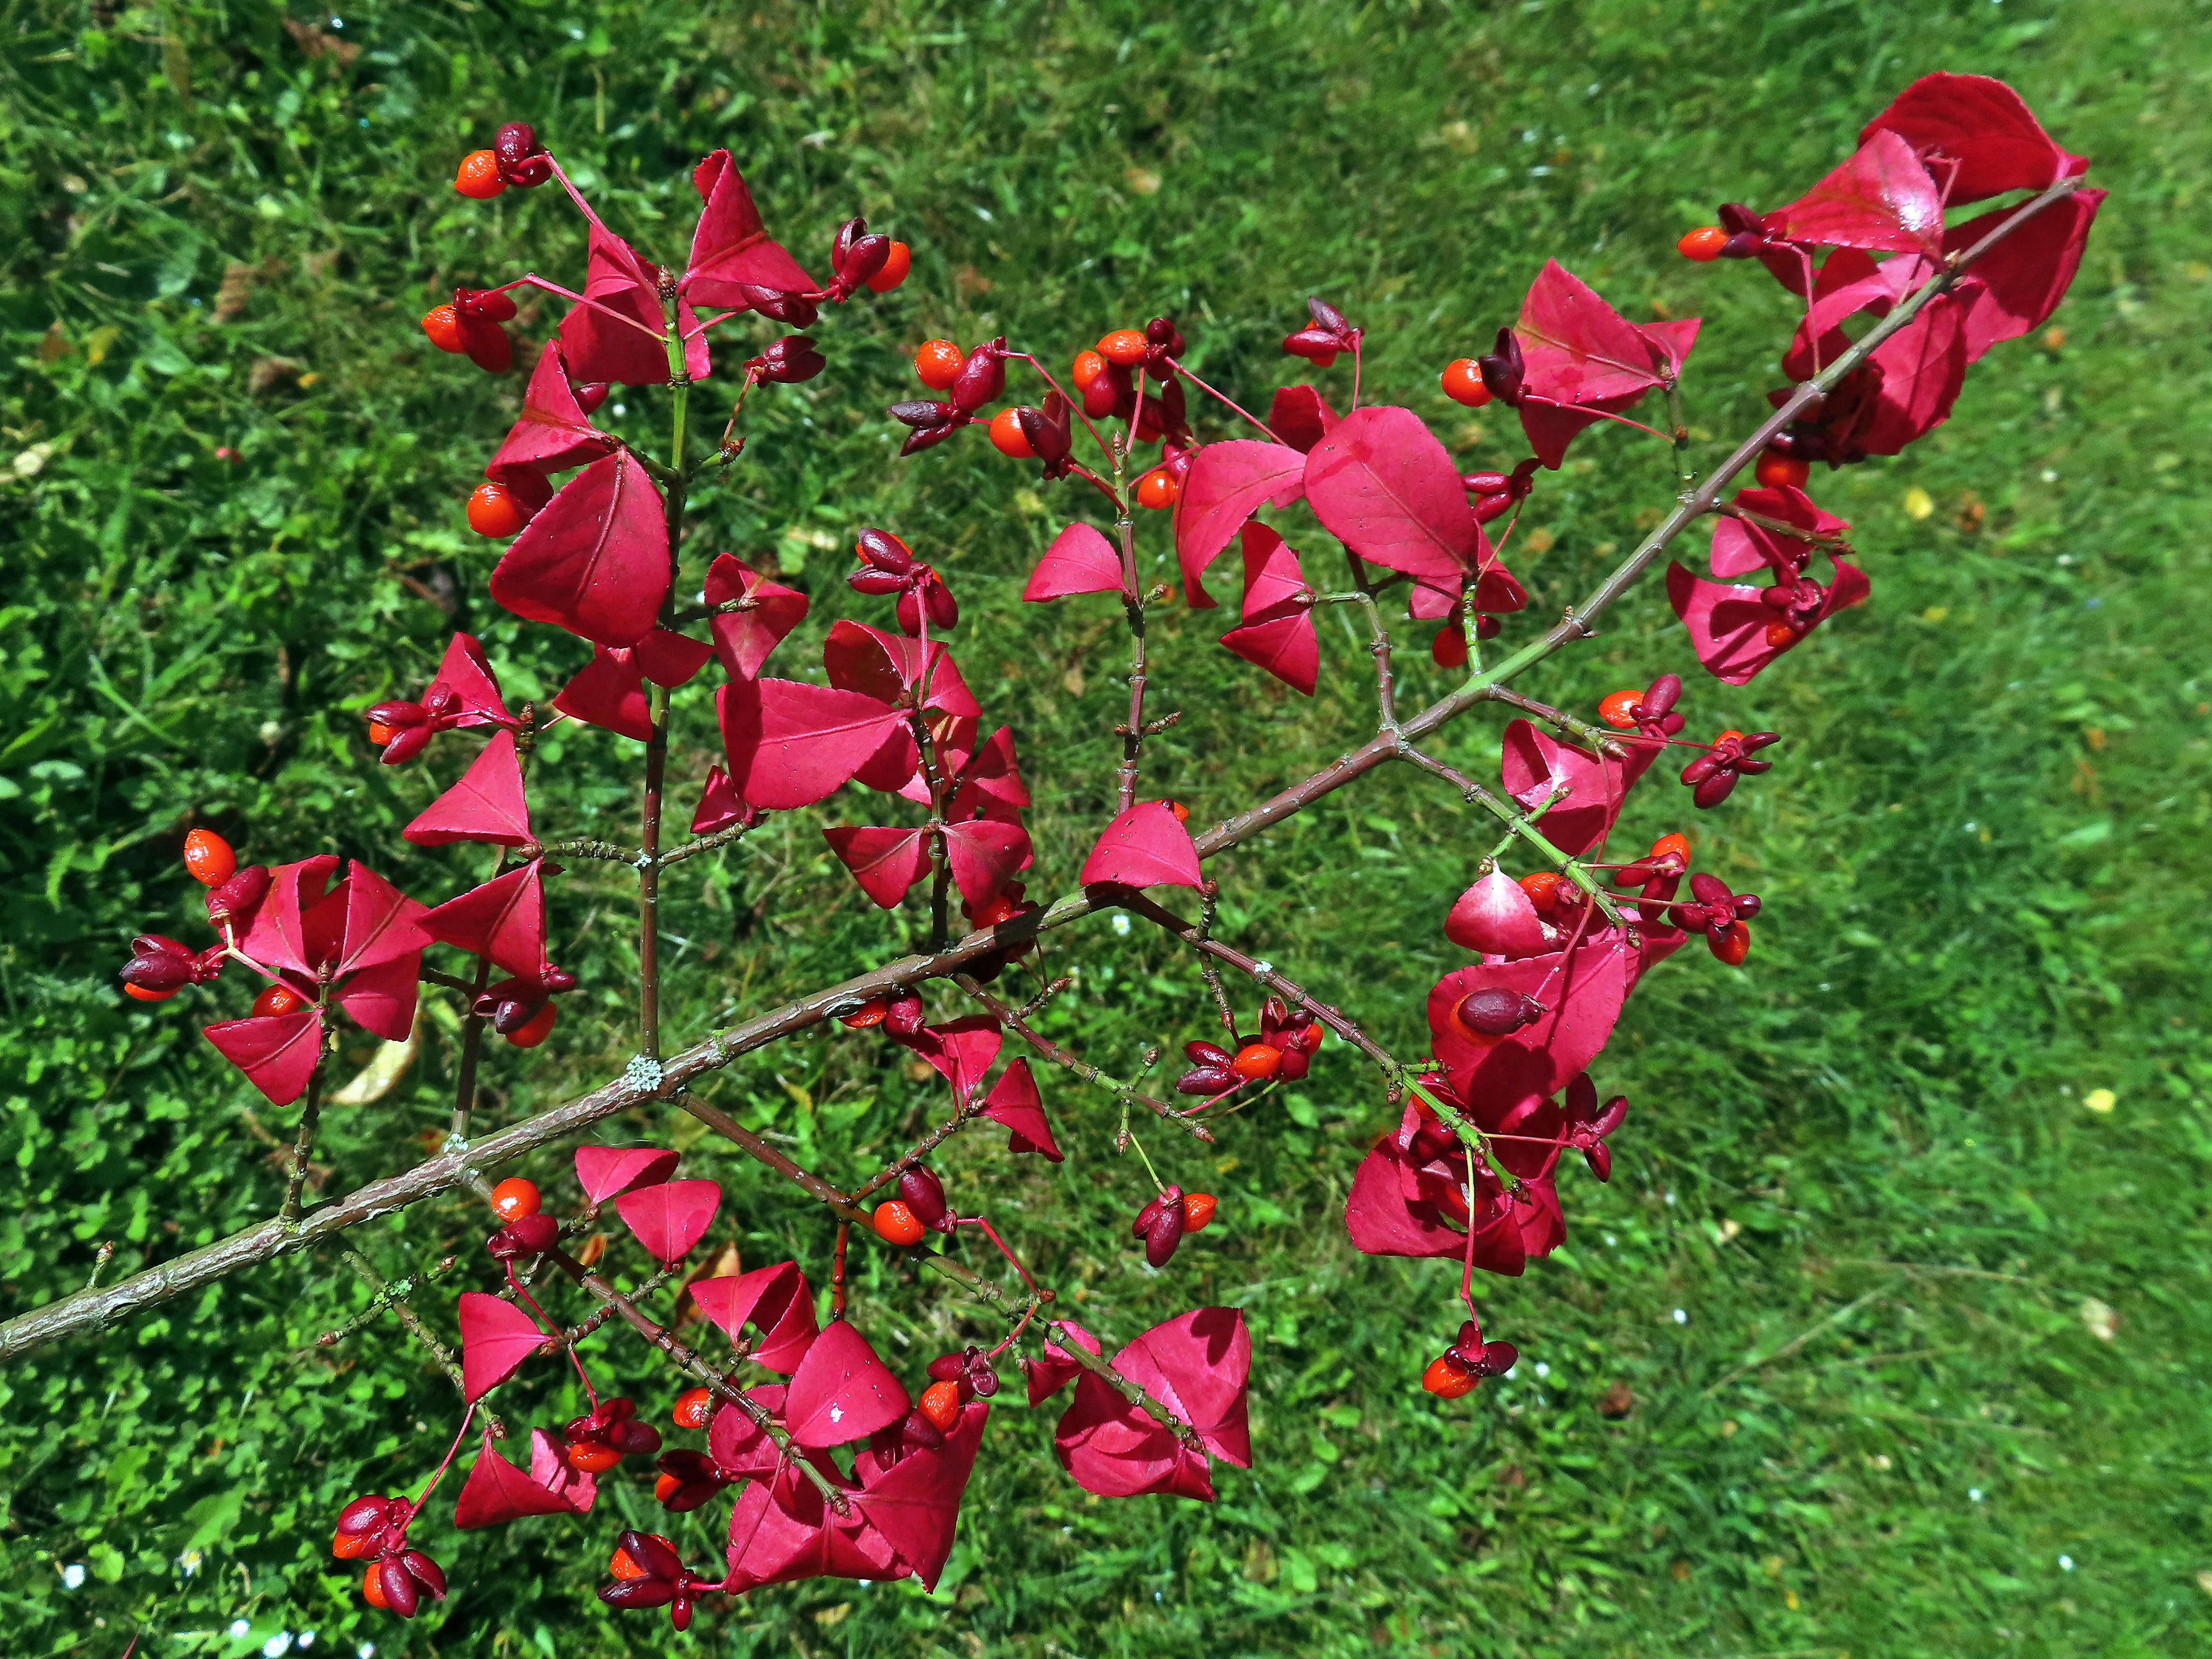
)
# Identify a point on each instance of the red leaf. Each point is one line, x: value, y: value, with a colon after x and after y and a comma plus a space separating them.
x: 1079, y: 560
x: 1014, y: 1102
x: 602, y: 1171
x: 1384, y: 486
x: 609, y: 692
x: 1536, y: 764
x: 1278, y: 633
x: 1977, y: 131
x: 486, y: 804
x: 598, y: 347
x: 1047, y: 1375
x: 1227, y: 483
x: 914, y: 1503
x: 730, y: 246
x: 1197, y: 1365
x: 738, y: 1444
x: 1741, y: 547
x: 496, y: 1338
x: 1300, y: 416
x: 1117, y: 1450
x: 504, y: 921
x: 382, y: 924
x: 467, y: 672
x: 281, y: 937
x: 962, y: 1050
x: 497, y: 1491
x: 742, y: 639
x: 1922, y: 368
x: 1384, y: 1218
x: 551, y: 1468
x: 1145, y: 846
x: 791, y: 743
x: 2026, y: 275
x: 992, y: 769
x: 1496, y: 916
x: 554, y: 432
x: 782, y: 1532
x: 1581, y: 1000
x: 595, y: 559
x: 670, y: 1218
x: 841, y: 1391
x: 774, y: 1300
x: 1881, y: 198
x: 886, y: 862
x: 276, y: 1052
x: 1578, y: 350
x: 719, y: 809
x: 888, y: 667
x: 1728, y: 623
x: 382, y: 998
x: 985, y: 854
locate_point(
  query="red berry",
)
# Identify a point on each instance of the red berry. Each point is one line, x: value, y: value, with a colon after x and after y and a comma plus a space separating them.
x: 666, y: 1486
x: 1447, y: 1378
x: 940, y: 1404
x: 938, y: 363
x: 592, y: 1456
x: 1678, y: 844
x: 1463, y: 383
x: 1780, y: 635
x: 1733, y: 946
x: 145, y: 994
x: 870, y: 1013
x: 694, y: 1406
x: 1089, y: 366
x: 1726, y: 736
x: 1198, y: 1210
x: 1007, y: 436
x: 443, y: 325
x: 1703, y: 243
x: 623, y: 1567
x: 896, y: 1223
x: 515, y: 1198
x: 1449, y: 648
x: 278, y: 999
x: 1158, y: 489
x: 352, y: 1546
x: 1182, y: 813
x: 478, y: 178
x: 1542, y: 887
x: 1782, y: 472
x: 539, y: 1028
x: 1125, y: 346
x: 1619, y: 708
x: 372, y: 1588
x: 209, y: 858
x: 493, y: 511
x: 1256, y: 1062
x: 896, y: 264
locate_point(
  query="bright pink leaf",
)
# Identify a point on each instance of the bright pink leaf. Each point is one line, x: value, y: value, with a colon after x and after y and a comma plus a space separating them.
x: 985, y: 854
x: 1741, y: 547
x: 1117, y: 1450
x: 888, y: 667
x: 1300, y: 416
x: 735, y: 1443
x: 595, y: 559
x: 1585, y: 789
x: 1079, y: 560
x: 742, y: 639
x: 782, y: 1532
x: 551, y: 1468
x: 1227, y: 483
x: 496, y: 1338
x: 280, y: 936
x: 1278, y: 633
x: 1197, y: 1365
x: 609, y: 692
x: 1881, y: 198
x: 1581, y: 1002
x: 382, y: 924
x: 1014, y: 1102
x: 730, y: 247
x: 382, y: 998
x: 497, y: 1492
x: 1728, y: 623
x: 1047, y: 1375
x: 466, y: 673
x: 1496, y: 917
x: 276, y: 1052
x: 1145, y: 846
x: 791, y: 743
x: 1387, y: 1214
x: 886, y: 862
x: 485, y: 804
x: 670, y: 1218
x: 604, y: 1171
x: 962, y: 1050
x: 1383, y: 484
x: 1578, y: 350
x: 719, y: 809
x: 554, y: 432
x: 774, y: 1300
x: 1977, y: 132
x: 914, y: 1503
x: 2026, y: 276
x: 503, y: 920
x: 841, y: 1391
x: 600, y: 347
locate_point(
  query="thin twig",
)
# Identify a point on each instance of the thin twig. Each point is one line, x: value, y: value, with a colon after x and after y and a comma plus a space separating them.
x: 1127, y: 1092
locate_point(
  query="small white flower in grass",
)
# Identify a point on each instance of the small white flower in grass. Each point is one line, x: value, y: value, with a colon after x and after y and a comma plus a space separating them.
x: 1542, y: 1370
x: 189, y: 1562
x: 307, y: 1638
x: 1121, y: 926
x: 239, y: 1626
x: 73, y: 1574
x: 1974, y: 1494
x: 2065, y: 1564
x: 277, y: 1645
x: 365, y: 1651
x: 1680, y: 1317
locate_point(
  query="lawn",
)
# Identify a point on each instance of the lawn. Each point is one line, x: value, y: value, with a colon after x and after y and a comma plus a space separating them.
x: 1887, y: 1336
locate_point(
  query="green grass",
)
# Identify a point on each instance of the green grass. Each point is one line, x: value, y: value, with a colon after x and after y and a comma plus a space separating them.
x: 1865, y: 1160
